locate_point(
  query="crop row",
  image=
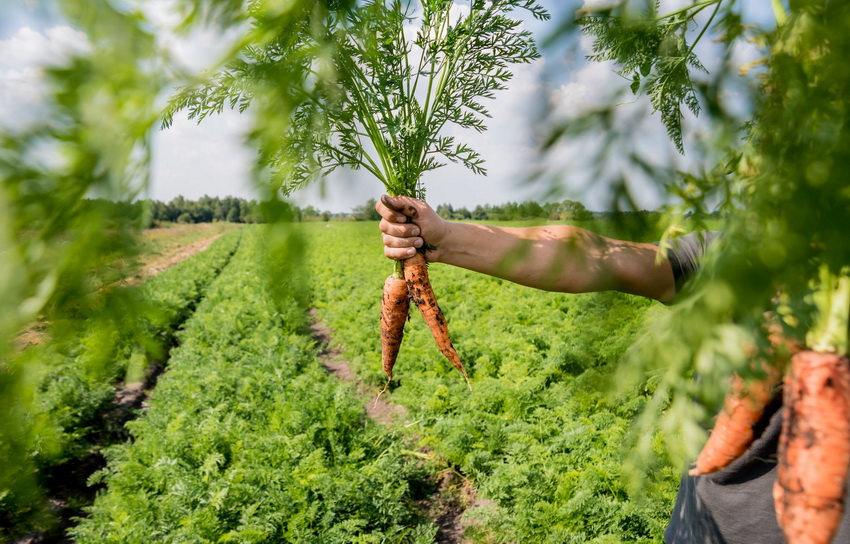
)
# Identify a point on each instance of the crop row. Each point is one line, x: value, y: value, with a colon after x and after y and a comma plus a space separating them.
x: 72, y: 383
x: 248, y: 439
x: 541, y: 436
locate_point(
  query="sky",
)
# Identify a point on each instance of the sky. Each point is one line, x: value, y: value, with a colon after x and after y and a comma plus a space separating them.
x: 211, y: 159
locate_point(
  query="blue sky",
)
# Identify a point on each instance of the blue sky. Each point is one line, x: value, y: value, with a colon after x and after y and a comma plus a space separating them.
x: 194, y: 160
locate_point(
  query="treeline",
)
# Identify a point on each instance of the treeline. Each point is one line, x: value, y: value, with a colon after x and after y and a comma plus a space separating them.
x: 207, y: 209
x: 239, y: 210
x: 567, y: 210
x: 179, y: 210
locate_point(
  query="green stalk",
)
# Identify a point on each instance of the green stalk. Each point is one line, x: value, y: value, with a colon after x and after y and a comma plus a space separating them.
x: 425, y: 113
x: 398, y: 266
x: 372, y: 128
x: 779, y: 12
x: 702, y: 32
x: 447, y: 69
x: 699, y: 6
x: 832, y: 300
x: 370, y: 166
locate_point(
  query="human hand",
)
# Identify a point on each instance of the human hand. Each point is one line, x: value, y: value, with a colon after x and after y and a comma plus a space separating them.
x: 408, y: 224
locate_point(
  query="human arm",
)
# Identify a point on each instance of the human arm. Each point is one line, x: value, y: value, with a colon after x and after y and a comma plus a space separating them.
x: 554, y: 257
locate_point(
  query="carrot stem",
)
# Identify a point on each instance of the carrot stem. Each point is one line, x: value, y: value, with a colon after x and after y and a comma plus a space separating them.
x: 832, y: 299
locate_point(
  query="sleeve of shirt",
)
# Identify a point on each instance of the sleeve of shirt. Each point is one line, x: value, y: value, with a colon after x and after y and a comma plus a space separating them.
x: 685, y: 253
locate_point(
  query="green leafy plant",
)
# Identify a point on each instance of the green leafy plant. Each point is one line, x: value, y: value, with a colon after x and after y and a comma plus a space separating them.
x: 383, y: 81
x: 394, y: 96
x: 537, y: 441
x: 652, y: 51
x: 249, y: 439
x: 784, y: 198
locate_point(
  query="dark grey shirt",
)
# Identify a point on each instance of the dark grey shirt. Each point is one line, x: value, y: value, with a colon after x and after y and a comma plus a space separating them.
x: 734, y: 505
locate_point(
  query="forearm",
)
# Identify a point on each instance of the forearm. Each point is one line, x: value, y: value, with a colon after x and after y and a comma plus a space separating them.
x: 556, y: 258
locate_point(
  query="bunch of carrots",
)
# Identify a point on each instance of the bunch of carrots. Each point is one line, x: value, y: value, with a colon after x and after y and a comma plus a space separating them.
x: 814, y: 446
x: 400, y: 287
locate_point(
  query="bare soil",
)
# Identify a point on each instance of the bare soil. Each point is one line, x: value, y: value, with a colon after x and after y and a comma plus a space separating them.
x: 454, y: 493
x: 377, y: 408
x: 154, y: 264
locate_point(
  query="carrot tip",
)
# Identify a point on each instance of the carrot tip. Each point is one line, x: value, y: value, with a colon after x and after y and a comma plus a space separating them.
x: 468, y: 383
x: 381, y: 392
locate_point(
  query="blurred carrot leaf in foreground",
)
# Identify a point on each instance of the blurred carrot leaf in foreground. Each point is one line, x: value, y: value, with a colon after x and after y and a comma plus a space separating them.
x: 782, y: 174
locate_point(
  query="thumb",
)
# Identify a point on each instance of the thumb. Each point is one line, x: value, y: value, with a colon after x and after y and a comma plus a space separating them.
x: 404, y: 204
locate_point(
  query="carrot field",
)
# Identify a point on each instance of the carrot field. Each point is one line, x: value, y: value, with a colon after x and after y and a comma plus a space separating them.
x: 540, y: 438
x: 263, y: 426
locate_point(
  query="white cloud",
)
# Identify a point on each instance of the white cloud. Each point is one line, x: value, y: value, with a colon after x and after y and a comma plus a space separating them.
x: 197, y: 50
x: 23, y: 57
x: 590, y: 87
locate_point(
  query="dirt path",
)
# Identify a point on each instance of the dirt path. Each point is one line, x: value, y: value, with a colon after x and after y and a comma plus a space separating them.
x: 378, y: 410
x: 455, y: 494
x: 67, y: 485
x: 159, y: 263
x: 37, y: 332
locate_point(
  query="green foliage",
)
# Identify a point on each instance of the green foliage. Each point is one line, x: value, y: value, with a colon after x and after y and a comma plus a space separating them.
x: 249, y: 439
x: 205, y: 210
x: 539, y: 437
x: 367, y: 211
x: 783, y: 195
x: 652, y: 51
x: 59, y: 249
x: 73, y: 379
x: 64, y: 242
x: 370, y: 103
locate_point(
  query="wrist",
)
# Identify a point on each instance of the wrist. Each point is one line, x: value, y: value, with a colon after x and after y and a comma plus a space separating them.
x: 442, y: 246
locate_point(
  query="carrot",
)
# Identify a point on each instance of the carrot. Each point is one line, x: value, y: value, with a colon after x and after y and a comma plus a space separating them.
x: 814, y: 447
x: 395, y: 305
x: 416, y: 275
x: 733, y: 431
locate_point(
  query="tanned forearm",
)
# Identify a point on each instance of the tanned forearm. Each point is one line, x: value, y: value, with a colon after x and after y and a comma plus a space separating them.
x: 557, y: 258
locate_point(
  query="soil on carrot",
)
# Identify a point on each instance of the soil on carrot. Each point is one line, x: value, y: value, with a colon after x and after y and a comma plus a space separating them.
x: 452, y: 494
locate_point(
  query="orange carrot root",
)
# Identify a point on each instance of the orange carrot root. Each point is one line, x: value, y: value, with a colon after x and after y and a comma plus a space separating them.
x: 733, y: 431
x: 395, y: 305
x: 814, y: 448
x: 416, y: 275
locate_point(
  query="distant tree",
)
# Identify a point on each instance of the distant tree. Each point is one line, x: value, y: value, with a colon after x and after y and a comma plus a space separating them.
x: 572, y: 210
x: 530, y: 210
x: 367, y: 211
